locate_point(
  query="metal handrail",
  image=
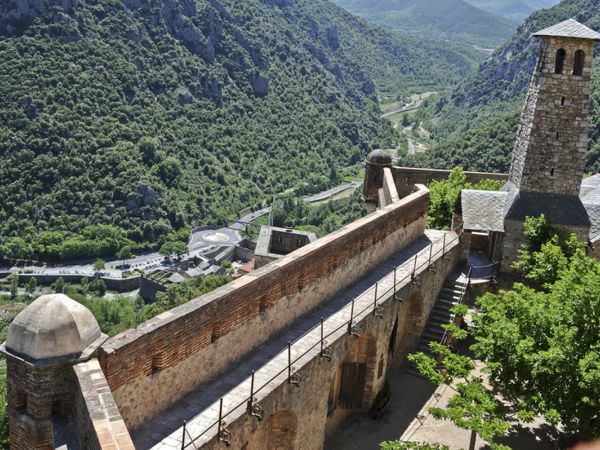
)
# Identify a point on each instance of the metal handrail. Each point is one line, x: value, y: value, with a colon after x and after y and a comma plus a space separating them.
x: 323, y: 338
x: 461, y: 298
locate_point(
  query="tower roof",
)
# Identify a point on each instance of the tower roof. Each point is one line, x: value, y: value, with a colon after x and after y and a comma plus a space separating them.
x: 380, y: 157
x: 53, y: 328
x: 570, y: 29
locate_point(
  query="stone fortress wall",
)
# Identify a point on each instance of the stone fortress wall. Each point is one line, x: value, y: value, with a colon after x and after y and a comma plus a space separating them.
x: 150, y: 367
x: 406, y: 177
x: 301, y: 415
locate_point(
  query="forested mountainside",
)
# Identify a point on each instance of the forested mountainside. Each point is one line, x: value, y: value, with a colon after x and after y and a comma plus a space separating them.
x: 442, y: 19
x: 517, y: 10
x: 476, y: 125
x: 153, y: 115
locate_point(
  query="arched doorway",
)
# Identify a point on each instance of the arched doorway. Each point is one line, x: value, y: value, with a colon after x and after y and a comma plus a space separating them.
x: 410, y: 324
x: 278, y: 432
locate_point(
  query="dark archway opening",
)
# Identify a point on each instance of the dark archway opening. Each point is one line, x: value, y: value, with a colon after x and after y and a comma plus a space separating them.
x: 579, y: 62
x: 559, y: 63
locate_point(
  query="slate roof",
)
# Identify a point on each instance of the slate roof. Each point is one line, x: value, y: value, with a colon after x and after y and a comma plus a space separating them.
x: 594, y: 215
x: 483, y: 210
x: 590, y: 196
x: 569, y: 28
x: 559, y: 209
x: 486, y: 210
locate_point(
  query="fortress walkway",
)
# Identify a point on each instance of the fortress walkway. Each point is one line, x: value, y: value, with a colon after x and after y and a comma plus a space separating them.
x: 200, y: 407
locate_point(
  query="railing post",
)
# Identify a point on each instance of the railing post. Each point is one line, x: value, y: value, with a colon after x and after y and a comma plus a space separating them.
x: 321, y: 336
x: 351, y: 317
x: 289, y: 361
x: 414, y: 268
x: 251, y: 392
x: 220, y: 417
x: 183, y: 437
x: 444, y: 245
x: 430, y: 252
x: 375, y: 300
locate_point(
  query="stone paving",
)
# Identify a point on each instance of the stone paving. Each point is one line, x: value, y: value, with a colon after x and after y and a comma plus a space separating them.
x: 200, y: 408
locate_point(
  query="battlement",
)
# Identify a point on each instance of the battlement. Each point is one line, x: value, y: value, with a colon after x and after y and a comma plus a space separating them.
x: 150, y: 367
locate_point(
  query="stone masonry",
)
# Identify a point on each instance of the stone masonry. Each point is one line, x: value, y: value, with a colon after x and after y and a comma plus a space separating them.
x: 550, y: 153
x: 553, y: 133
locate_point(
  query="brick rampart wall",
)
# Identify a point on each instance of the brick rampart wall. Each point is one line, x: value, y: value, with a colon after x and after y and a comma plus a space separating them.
x: 407, y: 177
x: 308, y: 402
x: 150, y: 367
x: 99, y: 424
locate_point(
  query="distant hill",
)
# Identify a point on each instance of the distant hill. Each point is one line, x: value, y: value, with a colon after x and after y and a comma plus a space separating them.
x: 476, y: 125
x: 441, y: 19
x: 153, y: 116
x: 517, y: 10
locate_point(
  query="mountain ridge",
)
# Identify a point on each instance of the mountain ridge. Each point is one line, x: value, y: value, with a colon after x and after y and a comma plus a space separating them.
x: 153, y: 116
x: 516, y: 10
x: 441, y: 19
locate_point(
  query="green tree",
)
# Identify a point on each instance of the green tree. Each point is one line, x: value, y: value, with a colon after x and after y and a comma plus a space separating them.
x: 4, y: 439
x: 98, y: 286
x: 125, y: 253
x: 59, y: 285
x: 173, y: 248
x: 31, y: 285
x: 542, y: 347
x: 14, y: 286
x: 99, y: 265
x: 548, y: 252
x: 444, y: 193
x: 473, y: 406
x: 442, y: 198
x: 168, y: 170
x: 148, y: 147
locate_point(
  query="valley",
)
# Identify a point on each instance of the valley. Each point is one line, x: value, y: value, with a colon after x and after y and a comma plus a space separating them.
x: 114, y: 115
x: 203, y: 223
x: 475, y: 124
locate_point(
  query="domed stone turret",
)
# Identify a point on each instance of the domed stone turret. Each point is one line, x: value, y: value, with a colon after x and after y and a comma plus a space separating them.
x: 53, y: 328
x: 380, y: 157
x: 376, y: 162
x: 44, y: 342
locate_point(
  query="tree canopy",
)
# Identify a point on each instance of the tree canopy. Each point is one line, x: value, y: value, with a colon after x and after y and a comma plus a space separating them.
x: 542, y: 346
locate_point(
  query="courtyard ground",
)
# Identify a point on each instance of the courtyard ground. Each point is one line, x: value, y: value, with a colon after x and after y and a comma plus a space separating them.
x: 407, y: 419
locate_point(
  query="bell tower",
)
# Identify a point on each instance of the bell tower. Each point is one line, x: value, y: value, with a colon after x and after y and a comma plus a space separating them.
x: 551, y: 146
x: 549, y: 157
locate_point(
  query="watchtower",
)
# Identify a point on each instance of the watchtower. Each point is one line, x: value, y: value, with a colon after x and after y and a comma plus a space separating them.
x: 549, y: 157
x: 44, y: 342
x: 376, y: 161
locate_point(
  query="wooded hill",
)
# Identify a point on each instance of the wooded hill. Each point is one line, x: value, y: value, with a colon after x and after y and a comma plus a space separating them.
x: 477, y: 123
x: 454, y: 20
x: 153, y: 115
x: 517, y: 10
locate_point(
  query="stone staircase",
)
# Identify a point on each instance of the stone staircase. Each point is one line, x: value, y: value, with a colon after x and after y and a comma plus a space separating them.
x: 440, y: 314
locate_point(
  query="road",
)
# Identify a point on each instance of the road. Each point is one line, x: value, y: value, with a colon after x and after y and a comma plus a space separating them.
x: 410, y: 107
x: 331, y: 192
x: 242, y: 221
x: 201, y: 242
